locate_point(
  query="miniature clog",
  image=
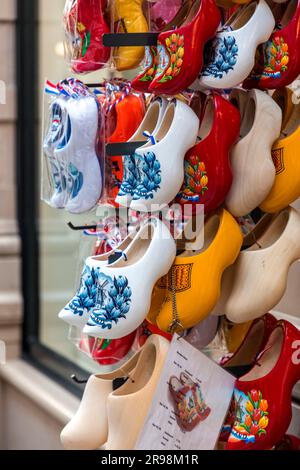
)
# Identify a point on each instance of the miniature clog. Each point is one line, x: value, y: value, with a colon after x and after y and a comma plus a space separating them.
x: 129, y: 18
x: 208, y: 175
x: 75, y: 156
x: 230, y: 56
x: 251, y: 159
x: 85, y: 24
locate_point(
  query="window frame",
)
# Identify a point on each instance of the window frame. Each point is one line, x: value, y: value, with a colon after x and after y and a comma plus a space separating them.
x: 28, y: 193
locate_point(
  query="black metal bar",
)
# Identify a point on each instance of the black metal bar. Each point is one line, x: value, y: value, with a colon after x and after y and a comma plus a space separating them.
x: 81, y: 227
x: 130, y: 39
x: 27, y: 174
x: 125, y: 148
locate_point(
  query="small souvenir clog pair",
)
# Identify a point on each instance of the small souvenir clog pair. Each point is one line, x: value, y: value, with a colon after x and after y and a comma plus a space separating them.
x: 180, y: 50
x: 285, y: 154
x: 189, y: 404
x: 85, y: 24
x: 105, y: 411
x: 154, y: 174
x: 70, y: 148
x: 129, y: 17
x: 277, y: 61
x: 262, y: 398
x: 191, y: 289
x: 115, y: 297
x: 257, y: 281
x: 251, y: 159
x: 230, y: 56
x: 208, y: 175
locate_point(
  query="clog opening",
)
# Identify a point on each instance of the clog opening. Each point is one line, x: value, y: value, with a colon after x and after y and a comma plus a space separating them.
x: 242, y: 16
x: 138, y: 249
x: 273, y: 232
x: 269, y: 358
x: 208, y: 119
x: 292, y: 123
x: 149, y: 122
x: 139, y: 380
x: 248, y: 118
x: 193, y: 10
x: 249, y: 348
x: 166, y: 123
x: 211, y: 228
x: 284, y: 12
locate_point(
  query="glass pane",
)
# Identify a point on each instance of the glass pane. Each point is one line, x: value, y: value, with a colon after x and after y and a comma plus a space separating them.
x: 59, y: 246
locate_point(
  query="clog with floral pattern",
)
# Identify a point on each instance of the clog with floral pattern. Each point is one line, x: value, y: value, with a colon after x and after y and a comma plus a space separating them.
x: 278, y: 61
x: 181, y: 50
x: 262, y: 397
x: 85, y: 24
x: 208, y: 175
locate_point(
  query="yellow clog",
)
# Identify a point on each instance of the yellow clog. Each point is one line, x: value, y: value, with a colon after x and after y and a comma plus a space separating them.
x: 235, y: 333
x: 192, y: 287
x: 129, y: 18
x: 286, y: 158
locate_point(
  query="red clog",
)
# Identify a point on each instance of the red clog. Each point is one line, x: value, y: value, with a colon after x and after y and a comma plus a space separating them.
x: 108, y: 352
x: 181, y: 50
x: 263, y: 396
x: 149, y: 68
x: 208, y: 175
x: 278, y: 60
x: 85, y: 25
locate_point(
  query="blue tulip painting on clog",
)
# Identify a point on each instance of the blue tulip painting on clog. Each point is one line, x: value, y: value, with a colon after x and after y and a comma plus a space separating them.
x: 221, y: 57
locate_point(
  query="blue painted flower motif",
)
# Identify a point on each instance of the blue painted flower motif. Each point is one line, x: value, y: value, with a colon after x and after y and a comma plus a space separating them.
x: 220, y: 57
x: 64, y: 178
x: 150, y: 177
x: 86, y: 295
x: 113, y: 301
x: 131, y: 176
x: 74, y: 180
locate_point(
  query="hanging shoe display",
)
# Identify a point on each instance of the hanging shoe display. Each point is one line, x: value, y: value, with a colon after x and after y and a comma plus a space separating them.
x: 183, y: 178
